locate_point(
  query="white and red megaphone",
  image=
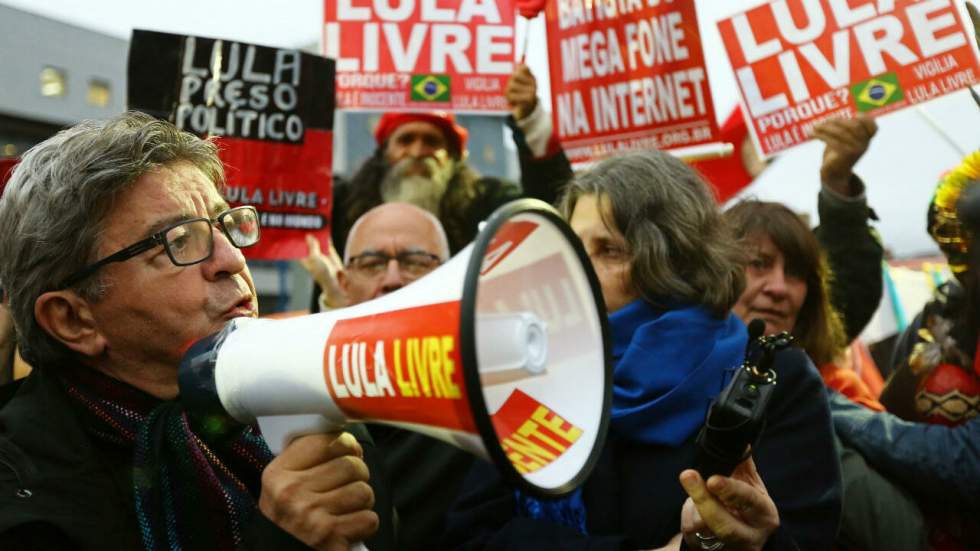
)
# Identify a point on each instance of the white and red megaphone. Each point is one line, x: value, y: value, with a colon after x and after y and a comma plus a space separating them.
x: 503, y: 351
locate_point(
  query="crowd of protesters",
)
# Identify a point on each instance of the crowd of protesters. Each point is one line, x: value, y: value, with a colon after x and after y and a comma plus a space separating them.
x: 110, y: 263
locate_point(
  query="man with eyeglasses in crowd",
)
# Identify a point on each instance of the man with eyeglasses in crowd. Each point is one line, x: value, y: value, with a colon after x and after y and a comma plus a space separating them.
x: 118, y: 252
x: 389, y: 247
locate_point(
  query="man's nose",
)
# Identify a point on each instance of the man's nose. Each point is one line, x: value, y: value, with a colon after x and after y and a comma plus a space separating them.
x: 393, y: 279
x: 226, y: 259
x: 419, y: 149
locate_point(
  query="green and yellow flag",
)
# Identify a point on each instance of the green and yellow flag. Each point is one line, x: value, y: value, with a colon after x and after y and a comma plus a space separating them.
x: 430, y: 88
x: 877, y: 92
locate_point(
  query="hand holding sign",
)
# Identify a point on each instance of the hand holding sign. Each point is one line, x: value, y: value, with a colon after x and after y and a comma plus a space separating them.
x: 521, y: 92
x: 847, y: 140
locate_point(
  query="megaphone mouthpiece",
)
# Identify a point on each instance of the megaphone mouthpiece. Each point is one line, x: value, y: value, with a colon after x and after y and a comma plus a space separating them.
x: 519, y: 351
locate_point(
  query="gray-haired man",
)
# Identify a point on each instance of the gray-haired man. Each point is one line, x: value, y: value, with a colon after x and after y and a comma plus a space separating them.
x: 118, y: 251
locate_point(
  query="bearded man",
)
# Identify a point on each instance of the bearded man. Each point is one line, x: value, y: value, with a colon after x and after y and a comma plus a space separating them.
x: 421, y: 159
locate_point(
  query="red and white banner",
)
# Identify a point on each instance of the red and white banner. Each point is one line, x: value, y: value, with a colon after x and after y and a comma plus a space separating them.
x: 799, y: 62
x: 627, y: 75
x: 420, y: 54
x: 270, y: 111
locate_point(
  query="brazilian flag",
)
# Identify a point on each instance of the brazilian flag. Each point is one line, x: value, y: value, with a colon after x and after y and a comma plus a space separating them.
x: 430, y: 88
x: 877, y: 92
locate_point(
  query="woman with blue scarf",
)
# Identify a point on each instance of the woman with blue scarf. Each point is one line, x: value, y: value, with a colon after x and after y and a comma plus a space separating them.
x: 670, y: 272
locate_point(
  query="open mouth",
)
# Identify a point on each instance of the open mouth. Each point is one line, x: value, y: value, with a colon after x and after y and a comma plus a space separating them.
x: 243, y: 308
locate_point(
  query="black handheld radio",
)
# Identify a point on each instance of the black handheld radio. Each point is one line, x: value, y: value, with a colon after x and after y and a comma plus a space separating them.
x: 737, y: 416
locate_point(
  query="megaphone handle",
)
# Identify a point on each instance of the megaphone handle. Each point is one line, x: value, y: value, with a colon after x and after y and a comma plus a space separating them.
x: 280, y: 430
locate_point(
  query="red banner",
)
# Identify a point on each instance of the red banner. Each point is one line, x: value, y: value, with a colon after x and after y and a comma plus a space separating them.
x: 400, y: 366
x: 270, y: 111
x: 420, y: 55
x: 627, y: 76
x: 799, y: 62
x: 6, y: 169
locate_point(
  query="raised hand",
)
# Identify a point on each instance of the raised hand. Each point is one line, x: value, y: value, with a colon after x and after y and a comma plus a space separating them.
x: 847, y: 140
x: 737, y: 510
x: 324, y: 269
x: 521, y: 91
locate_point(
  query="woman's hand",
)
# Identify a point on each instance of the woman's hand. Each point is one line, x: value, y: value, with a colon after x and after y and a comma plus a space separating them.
x: 737, y: 510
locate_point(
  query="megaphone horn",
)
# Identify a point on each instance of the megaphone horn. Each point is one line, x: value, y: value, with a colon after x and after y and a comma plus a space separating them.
x: 503, y: 351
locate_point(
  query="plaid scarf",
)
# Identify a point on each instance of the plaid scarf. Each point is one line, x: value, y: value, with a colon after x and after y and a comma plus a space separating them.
x: 193, y: 478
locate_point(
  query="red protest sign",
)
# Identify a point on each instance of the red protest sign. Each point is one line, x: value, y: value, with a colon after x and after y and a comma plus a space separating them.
x: 270, y: 111
x: 625, y: 75
x: 798, y: 62
x: 420, y: 55
x: 6, y: 169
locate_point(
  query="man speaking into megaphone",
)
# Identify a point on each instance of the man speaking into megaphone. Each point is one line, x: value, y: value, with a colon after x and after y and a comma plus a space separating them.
x: 118, y: 251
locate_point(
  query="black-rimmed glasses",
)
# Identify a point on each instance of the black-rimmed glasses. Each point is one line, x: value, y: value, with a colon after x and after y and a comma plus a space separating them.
x: 411, y: 263
x: 187, y: 242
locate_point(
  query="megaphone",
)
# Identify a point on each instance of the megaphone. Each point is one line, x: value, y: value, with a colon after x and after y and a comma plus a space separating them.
x: 503, y: 351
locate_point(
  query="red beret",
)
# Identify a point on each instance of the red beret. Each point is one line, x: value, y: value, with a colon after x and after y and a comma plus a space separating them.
x: 455, y: 134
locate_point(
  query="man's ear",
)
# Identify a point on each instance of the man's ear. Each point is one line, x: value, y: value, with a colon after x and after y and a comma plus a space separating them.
x: 68, y: 318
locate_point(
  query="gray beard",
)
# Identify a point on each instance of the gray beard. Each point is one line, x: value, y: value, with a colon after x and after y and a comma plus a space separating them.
x: 422, y: 190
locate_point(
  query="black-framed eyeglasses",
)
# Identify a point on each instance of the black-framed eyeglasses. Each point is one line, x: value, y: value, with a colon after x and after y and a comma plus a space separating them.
x: 187, y: 242
x: 411, y: 263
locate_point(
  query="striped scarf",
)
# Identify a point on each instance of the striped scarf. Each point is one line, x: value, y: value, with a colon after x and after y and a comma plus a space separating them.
x: 193, y: 478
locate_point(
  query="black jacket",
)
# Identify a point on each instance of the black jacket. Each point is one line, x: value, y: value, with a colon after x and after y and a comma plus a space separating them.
x: 633, y: 498
x: 62, y: 489
x: 854, y: 254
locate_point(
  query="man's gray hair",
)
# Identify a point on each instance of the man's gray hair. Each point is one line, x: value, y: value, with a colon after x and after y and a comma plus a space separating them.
x: 680, y: 247
x: 58, y: 198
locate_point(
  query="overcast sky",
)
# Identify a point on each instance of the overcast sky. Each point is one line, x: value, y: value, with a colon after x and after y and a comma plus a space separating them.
x: 901, y: 168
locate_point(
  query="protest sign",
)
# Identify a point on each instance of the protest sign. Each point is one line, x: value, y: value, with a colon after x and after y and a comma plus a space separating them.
x: 6, y: 169
x: 270, y: 111
x: 627, y: 74
x: 420, y: 54
x: 799, y: 62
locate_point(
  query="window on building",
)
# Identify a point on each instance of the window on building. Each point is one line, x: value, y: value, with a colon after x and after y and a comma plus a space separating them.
x: 53, y: 82
x: 98, y: 92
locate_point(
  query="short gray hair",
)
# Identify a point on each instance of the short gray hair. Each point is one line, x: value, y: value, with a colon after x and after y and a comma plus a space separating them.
x: 55, y: 205
x: 442, y: 241
x: 679, y: 245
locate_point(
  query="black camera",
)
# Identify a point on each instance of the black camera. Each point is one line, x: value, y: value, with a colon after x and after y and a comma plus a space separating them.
x: 737, y: 416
